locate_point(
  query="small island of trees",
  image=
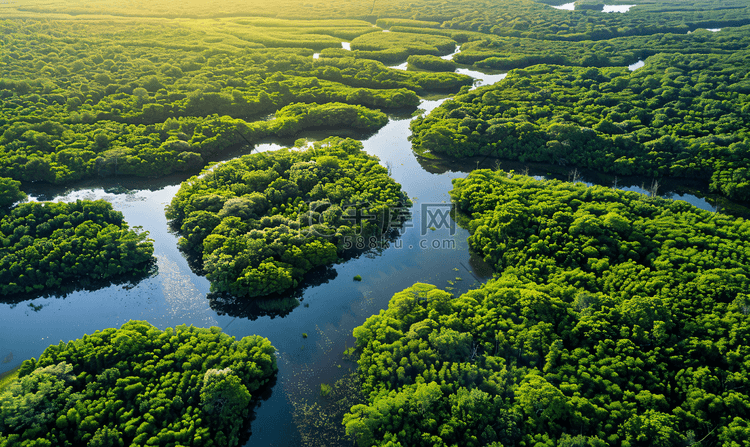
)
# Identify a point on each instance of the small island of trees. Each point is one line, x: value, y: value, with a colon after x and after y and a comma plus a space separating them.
x: 137, y: 385
x: 45, y: 245
x: 260, y: 222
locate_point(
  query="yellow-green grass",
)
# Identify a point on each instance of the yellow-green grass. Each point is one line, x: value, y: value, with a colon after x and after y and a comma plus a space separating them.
x: 9, y: 376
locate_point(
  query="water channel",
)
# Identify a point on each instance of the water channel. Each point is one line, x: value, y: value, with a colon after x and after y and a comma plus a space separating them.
x: 327, y: 310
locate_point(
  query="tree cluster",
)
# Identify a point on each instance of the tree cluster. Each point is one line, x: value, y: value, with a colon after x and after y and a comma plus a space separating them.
x: 44, y: 245
x: 506, y: 53
x: 616, y: 320
x: 679, y: 116
x: 521, y: 18
x: 431, y: 63
x: 260, y: 222
x: 137, y: 385
x: 79, y: 100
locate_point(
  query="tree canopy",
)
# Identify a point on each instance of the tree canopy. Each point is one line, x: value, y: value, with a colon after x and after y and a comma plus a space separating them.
x: 137, y: 385
x: 616, y: 319
x: 679, y: 116
x: 261, y: 221
x: 47, y: 244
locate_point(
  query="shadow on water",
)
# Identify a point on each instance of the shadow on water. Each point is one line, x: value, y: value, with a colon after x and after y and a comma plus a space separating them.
x: 127, y: 281
x: 274, y: 305
x: 693, y: 191
x: 282, y: 304
x: 260, y: 396
x: 123, y: 184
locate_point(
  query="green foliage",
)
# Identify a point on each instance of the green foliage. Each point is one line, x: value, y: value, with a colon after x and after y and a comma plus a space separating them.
x: 506, y: 53
x: 388, y: 45
x: 10, y: 193
x: 260, y: 222
x: 325, y: 389
x: 137, y: 385
x: 678, y: 116
x: 87, y: 106
x: 357, y: 278
x: 350, y: 67
x: 524, y: 18
x: 615, y: 319
x: 431, y: 63
x: 46, y: 244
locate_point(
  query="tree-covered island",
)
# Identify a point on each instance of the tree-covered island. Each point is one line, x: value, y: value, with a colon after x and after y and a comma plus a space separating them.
x: 137, y: 385
x: 260, y: 222
x: 45, y: 246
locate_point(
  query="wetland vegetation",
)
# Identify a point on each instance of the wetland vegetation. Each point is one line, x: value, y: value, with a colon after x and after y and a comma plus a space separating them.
x: 614, y: 318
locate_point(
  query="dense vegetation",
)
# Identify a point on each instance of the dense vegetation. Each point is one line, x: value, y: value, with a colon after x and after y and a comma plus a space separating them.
x: 432, y: 63
x: 137, y: 385
x: 522, y: 18
x: 85, y: 99
x: 505, y: 53
x: 394, y: 47
x: 44, y: 245
x: 10, y: 193
x: 617, y: 319
x: 678, y: 116
x: 261, y: 221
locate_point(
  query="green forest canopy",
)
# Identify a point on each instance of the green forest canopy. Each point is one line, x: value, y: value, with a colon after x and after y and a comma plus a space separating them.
x: 679, y: 116
x: 616, y: 320
x: 45, y: 245
x: 137, y: 385
x: 81, y: 99
x: 261, y: 221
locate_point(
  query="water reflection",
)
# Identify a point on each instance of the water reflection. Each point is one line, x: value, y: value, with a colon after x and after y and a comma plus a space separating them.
x: 678, y: 189
x: 635, y: 66
x: 483, y: 78
x: 567, y: 6
x: 126, y: 281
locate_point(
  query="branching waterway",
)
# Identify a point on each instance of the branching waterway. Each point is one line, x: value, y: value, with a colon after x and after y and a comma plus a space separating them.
x: 430, y: 249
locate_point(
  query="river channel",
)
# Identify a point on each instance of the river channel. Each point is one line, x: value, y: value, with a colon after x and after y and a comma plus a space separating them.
x: 329, y: 308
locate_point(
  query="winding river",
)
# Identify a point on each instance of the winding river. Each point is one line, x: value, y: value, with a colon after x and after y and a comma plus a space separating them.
x: 329, y: 307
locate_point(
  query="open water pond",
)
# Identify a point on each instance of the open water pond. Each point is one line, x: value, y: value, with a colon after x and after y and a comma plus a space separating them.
x: 567, y: 6
x: 327, y: 309
x: 617, y: 8
x: 605, y: 8
x: 635, y: 66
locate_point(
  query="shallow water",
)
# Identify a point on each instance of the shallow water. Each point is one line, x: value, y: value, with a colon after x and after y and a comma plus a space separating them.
x: 449, y: 57
x: 635, y: 66
x: 402, y: 66
x: 567, y: 6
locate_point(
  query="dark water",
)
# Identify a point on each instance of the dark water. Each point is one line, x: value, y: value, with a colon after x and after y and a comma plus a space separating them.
x: 327, y: 312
